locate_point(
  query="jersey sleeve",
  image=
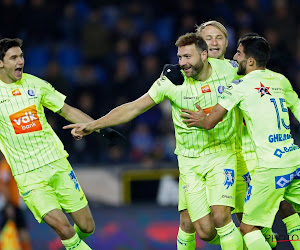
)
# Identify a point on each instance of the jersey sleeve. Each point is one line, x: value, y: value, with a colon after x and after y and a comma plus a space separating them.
x: 159, y: 90
x: 51, y: 98
x: 292, y: 99
x: 231, y: 96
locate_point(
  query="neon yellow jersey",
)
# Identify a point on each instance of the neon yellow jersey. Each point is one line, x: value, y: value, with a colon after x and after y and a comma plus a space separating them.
x: 261, y: 97
x: 194, y: 141
x: 27, y: 140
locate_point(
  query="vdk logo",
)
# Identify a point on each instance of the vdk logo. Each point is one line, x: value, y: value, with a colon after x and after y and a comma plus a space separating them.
x: 26, y: 120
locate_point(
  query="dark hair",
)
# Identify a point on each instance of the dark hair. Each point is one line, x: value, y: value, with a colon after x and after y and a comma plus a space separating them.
x: 7, y: 43
x: 192, y: 38
x: 257, y: 47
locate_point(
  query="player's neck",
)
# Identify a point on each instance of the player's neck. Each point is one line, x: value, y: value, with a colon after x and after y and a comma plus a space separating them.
x: 250, y: 69
x: 205, y: 72
x: 4, y: 78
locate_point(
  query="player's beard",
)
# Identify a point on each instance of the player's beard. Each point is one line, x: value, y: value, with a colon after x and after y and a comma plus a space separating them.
x: 196, y: 69
x: 242, y: 67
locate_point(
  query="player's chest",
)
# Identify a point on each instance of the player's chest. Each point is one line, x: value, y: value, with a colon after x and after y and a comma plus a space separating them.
x: 202, y: 94
x: 16, y: 99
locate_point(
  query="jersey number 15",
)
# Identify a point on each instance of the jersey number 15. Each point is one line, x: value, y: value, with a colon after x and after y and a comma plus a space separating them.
x: 283, y: 109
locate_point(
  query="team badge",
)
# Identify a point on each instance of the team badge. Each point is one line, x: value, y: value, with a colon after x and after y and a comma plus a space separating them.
x: 31, y: 93
x: 74, y: 179
x: 221, y: 89
x: 229, y: 177
x: 249, y: 193
x: 247, y: 179
x: 263, y: 90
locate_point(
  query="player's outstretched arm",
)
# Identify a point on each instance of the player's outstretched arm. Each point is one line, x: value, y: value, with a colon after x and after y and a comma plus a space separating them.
x: 118, y: 115
x: 75, y: 115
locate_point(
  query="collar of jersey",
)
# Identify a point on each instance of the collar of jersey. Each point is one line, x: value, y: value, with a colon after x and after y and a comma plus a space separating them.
x: 16, y: 84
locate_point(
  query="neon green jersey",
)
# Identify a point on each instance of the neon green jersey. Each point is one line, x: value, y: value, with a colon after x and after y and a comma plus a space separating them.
x: 193, y: 141
x: 262, y: 100
x: 27, y: 140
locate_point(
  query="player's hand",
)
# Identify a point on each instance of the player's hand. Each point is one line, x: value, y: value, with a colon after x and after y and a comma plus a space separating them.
x: 78, y: 130
x: 193, y: 118
x: 114, y: 137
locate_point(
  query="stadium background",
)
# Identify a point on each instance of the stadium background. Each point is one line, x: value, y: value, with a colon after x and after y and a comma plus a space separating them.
x: 104, y: 53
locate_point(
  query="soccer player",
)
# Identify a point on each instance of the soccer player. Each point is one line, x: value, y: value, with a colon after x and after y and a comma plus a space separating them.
x: 261, y: 96
x: 215, y: 35
x: 34, y: 152
x: 209, y: 188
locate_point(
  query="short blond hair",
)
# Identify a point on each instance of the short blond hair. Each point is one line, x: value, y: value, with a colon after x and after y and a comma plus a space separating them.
x: 212, y: 23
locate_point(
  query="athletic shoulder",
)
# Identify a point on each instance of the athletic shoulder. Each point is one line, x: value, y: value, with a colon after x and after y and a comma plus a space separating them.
x: 28, y: 77
x: 173, y: 73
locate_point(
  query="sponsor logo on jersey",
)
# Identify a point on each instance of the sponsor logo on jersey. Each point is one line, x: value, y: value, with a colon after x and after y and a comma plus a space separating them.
x: 284, y: 180
x: 237, y: 81
x: 26, y: 120
x: 279, y: 137
x: 263, y: 90
x: 279, y: 152
x: 229, y: 177
x: 205, y: 89
x: 74, y: 179
x: 16, y: 92
x: 221, y: 89
x: 247, y: 180
x: 190, y: 97
x: 4, y: 100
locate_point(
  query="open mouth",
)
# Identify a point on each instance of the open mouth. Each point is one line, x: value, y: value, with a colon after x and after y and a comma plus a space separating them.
x: 19, y: 71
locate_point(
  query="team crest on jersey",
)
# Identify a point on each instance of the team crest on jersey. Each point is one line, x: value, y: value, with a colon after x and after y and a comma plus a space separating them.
x: 221, y: 89
x: 263, y: 90
x: 233, y: 63
x: 16, y: 92
x: 31, y: 93
x: 205, y: 89
x: 74, y: 179
x: 229, y: 177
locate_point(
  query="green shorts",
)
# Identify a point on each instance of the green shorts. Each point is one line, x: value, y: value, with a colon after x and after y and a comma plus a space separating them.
x: 206, y: 181
x: 53, y: 186
x: 266, y: 190
x: 251, y: 164
x: 242, y: 183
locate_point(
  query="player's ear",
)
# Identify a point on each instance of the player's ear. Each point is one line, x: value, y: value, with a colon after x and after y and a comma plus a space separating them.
x: 251, y: 61
x: 204, y: 55
x: 1, y: 64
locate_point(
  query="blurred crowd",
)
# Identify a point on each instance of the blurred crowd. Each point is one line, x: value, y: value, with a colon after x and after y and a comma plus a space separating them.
x: 101, y: 54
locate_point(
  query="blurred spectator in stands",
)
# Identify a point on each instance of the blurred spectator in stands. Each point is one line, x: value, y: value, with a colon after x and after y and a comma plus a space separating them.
x: 70, y: 25
x: 95, y: 39
x: 10, y: 14
x: 40, y: 22
x: 54, y: 76
x: 13, y: 204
